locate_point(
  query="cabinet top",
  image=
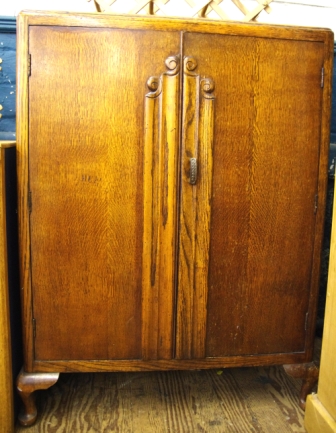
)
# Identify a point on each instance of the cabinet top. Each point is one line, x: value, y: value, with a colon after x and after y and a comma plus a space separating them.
x: 27, y: 18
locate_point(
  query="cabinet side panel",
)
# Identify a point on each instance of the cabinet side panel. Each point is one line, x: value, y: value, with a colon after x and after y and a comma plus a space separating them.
x: 265, y: 177
x: 6, y: 411
x: 22, y: 178
x: 86, y: 156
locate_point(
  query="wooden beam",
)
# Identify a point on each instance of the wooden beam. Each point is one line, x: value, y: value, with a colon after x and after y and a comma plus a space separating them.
x: 6, y: 380
x: 320, y: 416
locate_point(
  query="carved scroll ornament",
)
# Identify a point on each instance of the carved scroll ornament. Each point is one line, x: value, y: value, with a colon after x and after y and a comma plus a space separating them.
x: 154, y: 83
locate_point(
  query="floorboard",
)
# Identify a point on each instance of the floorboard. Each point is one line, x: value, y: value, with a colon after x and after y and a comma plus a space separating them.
x: 260, y: 400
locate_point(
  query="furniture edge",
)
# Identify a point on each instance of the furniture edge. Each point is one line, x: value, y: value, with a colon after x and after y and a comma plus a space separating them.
x: 317, y: 418
x: 23, y: 188
x: 329, y: 47
x: 202, y: 25
x: 6, y: 378
x: 64, y: 366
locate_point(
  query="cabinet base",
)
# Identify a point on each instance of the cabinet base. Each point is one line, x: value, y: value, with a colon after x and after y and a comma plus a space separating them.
x: 26, y: 384
x: 308, y: 373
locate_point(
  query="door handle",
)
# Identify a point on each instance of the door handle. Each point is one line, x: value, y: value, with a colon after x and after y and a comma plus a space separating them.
x: 193, y: 171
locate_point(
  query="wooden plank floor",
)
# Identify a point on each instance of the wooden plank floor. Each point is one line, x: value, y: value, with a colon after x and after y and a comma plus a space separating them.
x: 263, y: 400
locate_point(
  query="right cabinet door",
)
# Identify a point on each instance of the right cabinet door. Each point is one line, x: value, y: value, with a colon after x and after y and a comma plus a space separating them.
x: 247, y: 224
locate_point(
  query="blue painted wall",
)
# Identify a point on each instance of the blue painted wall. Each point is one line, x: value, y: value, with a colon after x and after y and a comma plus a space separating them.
x: 7, y: 77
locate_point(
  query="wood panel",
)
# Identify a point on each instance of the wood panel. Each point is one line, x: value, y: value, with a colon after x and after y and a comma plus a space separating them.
x: 6, y: 379
x: 328, y: 356
x: 162, y: 134
x: 321, y: 408
x: 22, y: 171
x: 195, y: 211
x: 167, y: 364
x: 266, y: 152
x: 86, y: 157
x: 317, y: 418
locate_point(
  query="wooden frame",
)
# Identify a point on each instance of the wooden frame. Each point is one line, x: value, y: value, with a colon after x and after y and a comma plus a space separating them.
x: 6, y: 379
x: 320, y: 414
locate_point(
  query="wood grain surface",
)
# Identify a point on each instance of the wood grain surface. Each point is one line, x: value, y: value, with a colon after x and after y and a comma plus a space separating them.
x: 262, y: 233
x: 321, y: 412
x: 239, y: 400
x: 260, y: 400
x: 98, y: 227
x: 162, y: 23
x: 195, y: 211
x: 161, y: 147
x: 98, y: 158
x: 102, y: 254
x: 6, y: 379
x: 23, y: 188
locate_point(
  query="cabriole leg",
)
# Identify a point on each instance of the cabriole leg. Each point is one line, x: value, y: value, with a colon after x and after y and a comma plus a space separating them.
x: 308, y: 373
x: 27, y: 383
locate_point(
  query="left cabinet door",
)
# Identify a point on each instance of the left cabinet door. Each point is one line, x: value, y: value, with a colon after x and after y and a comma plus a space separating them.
x: 91, y: 191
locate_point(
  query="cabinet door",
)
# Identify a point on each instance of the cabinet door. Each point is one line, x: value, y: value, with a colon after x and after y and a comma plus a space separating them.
x: 247, y: 233
x: 87, y: 190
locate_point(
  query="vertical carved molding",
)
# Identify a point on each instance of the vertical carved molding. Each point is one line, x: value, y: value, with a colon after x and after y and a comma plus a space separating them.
x: 187, y: 244
x: 195, y: 214
x: 160, y: 182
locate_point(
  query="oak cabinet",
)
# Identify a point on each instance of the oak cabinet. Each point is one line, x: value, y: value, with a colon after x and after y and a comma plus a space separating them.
x: 172, y: 180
